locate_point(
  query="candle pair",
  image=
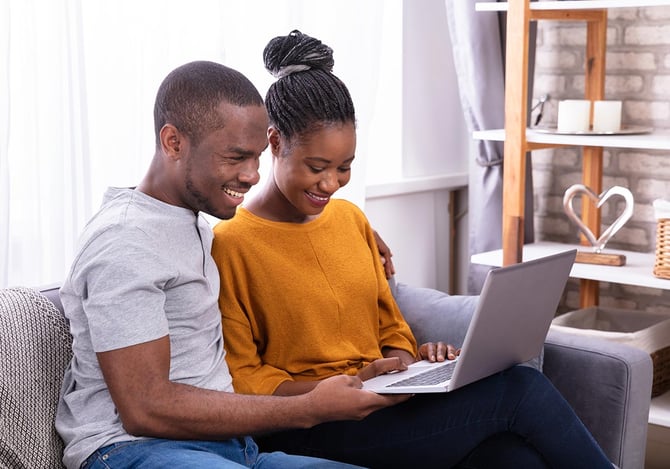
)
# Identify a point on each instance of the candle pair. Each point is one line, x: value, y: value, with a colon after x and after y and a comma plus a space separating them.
x: 574, y: 115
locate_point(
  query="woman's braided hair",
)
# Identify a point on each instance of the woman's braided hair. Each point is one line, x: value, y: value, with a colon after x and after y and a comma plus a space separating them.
x: 306, y: 95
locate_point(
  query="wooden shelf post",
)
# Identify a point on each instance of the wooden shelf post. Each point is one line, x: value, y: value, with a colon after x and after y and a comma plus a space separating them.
x: 514, y: 163
x: 592, y: 157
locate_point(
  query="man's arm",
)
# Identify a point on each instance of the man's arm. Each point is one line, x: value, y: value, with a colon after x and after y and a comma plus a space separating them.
x: 149, y: 404
x: 385, y: 254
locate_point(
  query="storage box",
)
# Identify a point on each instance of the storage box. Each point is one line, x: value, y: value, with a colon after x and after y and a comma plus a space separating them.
x: 647, y: 331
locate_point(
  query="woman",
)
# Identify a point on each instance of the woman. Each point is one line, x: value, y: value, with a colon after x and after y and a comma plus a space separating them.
x: 304, y: 296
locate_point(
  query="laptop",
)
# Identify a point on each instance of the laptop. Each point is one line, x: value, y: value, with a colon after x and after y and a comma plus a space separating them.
x: 509, y: 327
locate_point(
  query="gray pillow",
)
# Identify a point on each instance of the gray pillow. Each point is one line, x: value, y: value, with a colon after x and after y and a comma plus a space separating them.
x: 434, y: 315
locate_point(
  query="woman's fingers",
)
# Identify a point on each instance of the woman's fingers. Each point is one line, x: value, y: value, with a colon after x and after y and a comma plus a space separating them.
x: 438, y: 351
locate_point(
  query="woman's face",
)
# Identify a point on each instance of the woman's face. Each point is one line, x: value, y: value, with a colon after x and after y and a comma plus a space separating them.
x: 308, y: 170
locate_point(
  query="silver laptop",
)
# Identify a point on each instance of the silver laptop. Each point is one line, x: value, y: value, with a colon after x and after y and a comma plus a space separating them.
x: 509, y: 326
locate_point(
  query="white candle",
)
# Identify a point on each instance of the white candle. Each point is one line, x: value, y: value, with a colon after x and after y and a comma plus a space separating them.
x: 606, y: 116
x: 573, y: 115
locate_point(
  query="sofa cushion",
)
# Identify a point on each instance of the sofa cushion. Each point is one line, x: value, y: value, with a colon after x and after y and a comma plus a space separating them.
x: 35, y: 349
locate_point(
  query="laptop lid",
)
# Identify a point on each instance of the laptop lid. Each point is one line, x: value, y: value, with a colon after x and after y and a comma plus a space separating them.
x: 509, y: 326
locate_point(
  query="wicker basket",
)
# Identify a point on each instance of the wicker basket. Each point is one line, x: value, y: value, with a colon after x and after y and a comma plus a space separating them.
x: 662, y: 263
x: 647, y: 331
x: 661, y: 363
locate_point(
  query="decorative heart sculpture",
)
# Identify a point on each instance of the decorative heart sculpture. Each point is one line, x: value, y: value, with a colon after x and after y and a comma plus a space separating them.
x: 599, y: 200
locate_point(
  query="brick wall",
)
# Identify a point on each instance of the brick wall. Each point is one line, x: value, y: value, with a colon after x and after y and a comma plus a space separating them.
x: 638, y: 73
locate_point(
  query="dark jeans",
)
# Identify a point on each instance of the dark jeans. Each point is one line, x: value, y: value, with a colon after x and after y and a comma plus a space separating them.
x: 512, y: 419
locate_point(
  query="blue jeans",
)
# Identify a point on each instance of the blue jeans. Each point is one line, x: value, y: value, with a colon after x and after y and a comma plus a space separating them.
x: 234, y: 453
x: 514, y: 419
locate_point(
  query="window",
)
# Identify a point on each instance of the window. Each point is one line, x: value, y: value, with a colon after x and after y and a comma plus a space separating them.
x: 78, y: 82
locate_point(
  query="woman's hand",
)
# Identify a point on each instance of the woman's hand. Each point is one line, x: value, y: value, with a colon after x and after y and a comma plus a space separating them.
x: 438, y: 352
x: 380, y: 367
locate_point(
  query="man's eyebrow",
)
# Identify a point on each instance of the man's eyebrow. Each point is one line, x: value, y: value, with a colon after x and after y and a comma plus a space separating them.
x: 241, y: 151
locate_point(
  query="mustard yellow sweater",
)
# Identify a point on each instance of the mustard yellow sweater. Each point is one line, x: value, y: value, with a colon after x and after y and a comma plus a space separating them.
x: 303, y: 301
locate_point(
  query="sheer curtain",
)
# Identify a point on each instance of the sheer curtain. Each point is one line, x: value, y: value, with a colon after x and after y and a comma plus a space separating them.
x: 46, y: 178
x: 76, y: 94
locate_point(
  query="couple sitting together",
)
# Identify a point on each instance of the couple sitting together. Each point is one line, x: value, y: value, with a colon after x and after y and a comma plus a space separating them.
x: 294, y: 289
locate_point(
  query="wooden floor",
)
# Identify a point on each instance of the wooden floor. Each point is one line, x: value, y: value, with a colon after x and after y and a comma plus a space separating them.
x: 658, y: 448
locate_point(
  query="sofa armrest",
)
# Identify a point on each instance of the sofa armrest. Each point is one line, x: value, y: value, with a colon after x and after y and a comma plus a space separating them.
x: 609, y: 386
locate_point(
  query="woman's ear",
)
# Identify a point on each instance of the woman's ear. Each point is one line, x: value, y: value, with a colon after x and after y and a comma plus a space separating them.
x: 274, y: 139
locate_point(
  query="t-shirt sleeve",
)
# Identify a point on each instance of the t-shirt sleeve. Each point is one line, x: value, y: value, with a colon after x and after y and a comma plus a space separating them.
x: 120, y: 278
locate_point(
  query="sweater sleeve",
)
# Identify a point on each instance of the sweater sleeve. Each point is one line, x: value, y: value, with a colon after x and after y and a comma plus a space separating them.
x: 394, y: 332
x: 242, y: 339
x: 250, y: 374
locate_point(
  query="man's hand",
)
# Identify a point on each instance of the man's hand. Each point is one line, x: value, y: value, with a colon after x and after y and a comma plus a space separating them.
x: 341, y: 398
x: 438, y: 352
x: 386, y: 255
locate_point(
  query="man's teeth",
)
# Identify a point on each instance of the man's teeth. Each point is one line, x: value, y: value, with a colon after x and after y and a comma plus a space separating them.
x: 233, y: 193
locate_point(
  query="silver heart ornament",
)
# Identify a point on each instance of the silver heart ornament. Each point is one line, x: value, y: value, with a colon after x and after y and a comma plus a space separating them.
x: 599, y: 200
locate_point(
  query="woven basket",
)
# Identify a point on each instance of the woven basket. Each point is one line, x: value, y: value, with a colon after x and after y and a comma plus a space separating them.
x: 661, y: 363
x: 662, y: 263
x: 647, y: 331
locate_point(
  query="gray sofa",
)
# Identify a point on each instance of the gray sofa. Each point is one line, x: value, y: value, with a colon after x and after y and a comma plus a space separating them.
x: 608, y: 384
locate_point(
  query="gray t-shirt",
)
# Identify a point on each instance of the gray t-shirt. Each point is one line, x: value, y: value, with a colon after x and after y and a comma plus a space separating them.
x: 143, y: 271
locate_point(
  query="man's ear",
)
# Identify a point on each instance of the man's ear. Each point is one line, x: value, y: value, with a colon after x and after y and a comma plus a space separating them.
x: 171, y: 141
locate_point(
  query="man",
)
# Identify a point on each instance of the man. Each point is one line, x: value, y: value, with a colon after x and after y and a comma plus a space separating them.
x: 148, y: 385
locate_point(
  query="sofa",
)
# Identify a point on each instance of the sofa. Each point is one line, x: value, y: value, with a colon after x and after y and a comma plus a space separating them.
x: 608, y: 384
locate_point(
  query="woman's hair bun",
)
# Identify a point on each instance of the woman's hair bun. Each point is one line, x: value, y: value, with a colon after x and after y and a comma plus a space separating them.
x: 296, y: 52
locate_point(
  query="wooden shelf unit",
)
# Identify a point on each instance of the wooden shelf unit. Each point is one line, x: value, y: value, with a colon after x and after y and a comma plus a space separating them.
x: 572, y: 5
x: 518, y: 140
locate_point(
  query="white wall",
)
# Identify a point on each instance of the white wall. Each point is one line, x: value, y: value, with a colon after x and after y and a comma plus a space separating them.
x: 435, y: 139
x: 416, y: 227
x: 412, y: 213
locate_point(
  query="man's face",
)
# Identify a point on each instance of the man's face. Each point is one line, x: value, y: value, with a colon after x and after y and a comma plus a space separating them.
x: 223, y: 167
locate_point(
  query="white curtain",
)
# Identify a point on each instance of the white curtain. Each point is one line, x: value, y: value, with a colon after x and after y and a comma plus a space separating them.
x: 46, y: 180
x: 77, y: 83
x: 4, y: 140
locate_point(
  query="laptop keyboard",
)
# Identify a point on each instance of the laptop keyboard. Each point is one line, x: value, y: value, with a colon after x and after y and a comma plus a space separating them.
x: 433, y: 376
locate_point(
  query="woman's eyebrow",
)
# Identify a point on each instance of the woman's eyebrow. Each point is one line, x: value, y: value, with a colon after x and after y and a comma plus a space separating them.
x: 321, y: 159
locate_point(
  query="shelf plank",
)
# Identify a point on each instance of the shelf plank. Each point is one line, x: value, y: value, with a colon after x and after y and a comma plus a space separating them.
x: 649, y: 141
x: 574, y: 5
x: 637, y: 271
